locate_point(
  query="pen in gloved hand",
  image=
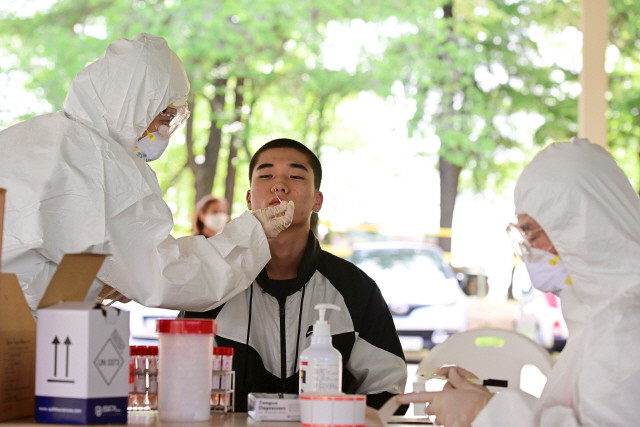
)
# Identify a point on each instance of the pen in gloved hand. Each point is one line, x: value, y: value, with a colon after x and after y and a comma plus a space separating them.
x: 478, y: 381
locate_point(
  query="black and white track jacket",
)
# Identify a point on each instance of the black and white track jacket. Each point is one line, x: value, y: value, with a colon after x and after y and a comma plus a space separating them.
x: 268, y: 335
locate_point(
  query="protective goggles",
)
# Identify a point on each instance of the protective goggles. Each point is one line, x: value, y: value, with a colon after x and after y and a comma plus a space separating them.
x: 177, y: 119
x: 521, y: 240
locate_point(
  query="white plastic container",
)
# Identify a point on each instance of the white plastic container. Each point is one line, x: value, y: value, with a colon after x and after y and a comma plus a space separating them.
x: 332, y: 409
x: 321, y: 363
x: 184, y: 371
x: 419, y: 384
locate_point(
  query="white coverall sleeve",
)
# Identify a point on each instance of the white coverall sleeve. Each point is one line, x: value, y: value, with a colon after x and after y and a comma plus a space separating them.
x: 189, y: 273
x: 507, y: 409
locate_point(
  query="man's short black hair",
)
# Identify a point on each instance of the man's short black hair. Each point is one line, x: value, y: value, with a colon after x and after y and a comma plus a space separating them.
x: 314, y: 162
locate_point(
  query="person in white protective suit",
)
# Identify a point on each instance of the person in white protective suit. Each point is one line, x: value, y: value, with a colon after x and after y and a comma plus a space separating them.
x: 579, y: 221
x: 77, y: 181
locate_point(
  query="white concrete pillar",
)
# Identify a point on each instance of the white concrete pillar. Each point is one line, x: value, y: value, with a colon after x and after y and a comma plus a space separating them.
x: 592, y: 106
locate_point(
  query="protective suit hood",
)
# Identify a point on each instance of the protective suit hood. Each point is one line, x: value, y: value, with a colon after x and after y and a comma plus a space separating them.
x: 121, y: 109
x: 586, y: 205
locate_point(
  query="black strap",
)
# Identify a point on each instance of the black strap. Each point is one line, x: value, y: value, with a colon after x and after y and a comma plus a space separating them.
x: 295, y: 361
x: 246, y: 358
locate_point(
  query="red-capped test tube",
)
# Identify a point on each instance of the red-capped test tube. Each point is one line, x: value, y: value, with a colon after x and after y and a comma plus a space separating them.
x: 132, y: 401
x: 152, y: 370
x: 140, y: 381
x: 215, y: 375
x: 227, y: 364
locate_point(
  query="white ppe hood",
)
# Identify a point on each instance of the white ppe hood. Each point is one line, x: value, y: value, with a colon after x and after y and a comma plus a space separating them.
x: 586, y: 205
x: 74, y: 184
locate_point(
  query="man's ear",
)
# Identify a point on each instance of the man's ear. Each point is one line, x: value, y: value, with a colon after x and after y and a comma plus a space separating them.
x: 319, y: 199
x: 249, y: 199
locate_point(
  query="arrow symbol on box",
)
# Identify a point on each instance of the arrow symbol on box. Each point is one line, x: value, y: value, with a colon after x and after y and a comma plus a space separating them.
x: 55, y: 356
x: 67, y: 342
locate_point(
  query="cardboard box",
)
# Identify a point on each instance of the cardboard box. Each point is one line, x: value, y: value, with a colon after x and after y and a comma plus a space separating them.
x: 273, y: 407
x: 82, y: 357
x: 17, y: 345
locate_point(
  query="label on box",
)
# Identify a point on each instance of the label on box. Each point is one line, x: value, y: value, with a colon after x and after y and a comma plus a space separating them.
x: 271, y: 407
x: 81, y: 411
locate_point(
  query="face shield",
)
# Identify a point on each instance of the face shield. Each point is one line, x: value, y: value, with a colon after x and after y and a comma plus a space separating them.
x: 177, y: 115
x: 521, y: 241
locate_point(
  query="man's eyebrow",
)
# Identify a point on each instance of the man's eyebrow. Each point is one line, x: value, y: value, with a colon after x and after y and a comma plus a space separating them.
x: 264, y: 165
x: 298, y: 166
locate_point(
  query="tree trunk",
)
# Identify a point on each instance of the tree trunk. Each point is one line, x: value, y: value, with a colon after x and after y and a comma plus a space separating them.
x: 449, y: 172
x: 315, y: 218
x: 191, y: 162
x: 449, y: 176
x: 208, y: 169
x: 230, y: 181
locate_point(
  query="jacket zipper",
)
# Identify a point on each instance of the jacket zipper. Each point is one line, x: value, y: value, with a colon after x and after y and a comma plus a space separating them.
x: 283, y: 349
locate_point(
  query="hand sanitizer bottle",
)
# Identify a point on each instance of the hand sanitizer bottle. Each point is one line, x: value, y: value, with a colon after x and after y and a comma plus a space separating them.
x: 320, y: 363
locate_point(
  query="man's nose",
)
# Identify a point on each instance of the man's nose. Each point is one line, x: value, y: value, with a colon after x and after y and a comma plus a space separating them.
x: 280, y: 188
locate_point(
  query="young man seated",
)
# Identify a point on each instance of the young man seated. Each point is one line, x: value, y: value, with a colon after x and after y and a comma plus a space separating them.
x: 270, y: 323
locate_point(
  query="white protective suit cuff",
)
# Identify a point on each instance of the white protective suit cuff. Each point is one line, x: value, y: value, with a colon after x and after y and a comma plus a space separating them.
x: 506, y: 409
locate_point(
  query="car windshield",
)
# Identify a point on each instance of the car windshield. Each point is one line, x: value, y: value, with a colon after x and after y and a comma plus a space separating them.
x: 399, y: 259
x: 408, y: 275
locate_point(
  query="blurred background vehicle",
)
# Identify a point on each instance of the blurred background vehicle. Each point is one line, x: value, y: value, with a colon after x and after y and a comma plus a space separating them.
x: 540, y: 314
x: 420, y: 288
x: 142, y: 322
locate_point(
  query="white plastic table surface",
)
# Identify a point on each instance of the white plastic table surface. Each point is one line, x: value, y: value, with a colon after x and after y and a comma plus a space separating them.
x: 150, y: 418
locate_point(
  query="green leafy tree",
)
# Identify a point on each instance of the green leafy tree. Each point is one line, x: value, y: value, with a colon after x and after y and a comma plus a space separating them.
x: 468, y: 67
x: 624, y: 85
x: 235, y: 53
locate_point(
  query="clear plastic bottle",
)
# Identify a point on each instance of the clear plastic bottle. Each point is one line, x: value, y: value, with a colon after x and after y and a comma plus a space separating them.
x: 321, y: 363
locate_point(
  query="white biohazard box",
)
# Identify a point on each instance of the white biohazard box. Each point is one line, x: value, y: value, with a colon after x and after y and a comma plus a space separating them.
x: 82, y: 350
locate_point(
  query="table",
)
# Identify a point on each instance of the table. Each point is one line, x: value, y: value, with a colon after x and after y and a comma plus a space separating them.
x: 150, y: 418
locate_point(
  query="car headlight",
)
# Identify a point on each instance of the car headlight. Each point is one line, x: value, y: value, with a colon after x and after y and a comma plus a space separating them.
x: 400, y: 309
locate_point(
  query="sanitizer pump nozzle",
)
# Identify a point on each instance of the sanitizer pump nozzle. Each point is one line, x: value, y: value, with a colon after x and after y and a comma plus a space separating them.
x: 320, y: 363
x: 321, y: 327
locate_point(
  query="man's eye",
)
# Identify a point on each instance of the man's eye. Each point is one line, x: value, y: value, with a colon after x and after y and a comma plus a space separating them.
x: 297, y: 177
x: 264, y: 176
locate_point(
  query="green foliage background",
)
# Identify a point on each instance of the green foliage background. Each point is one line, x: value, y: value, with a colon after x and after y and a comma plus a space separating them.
x: 268, y: 54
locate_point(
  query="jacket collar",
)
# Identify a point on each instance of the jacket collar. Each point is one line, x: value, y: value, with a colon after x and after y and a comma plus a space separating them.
x: 306, y: 269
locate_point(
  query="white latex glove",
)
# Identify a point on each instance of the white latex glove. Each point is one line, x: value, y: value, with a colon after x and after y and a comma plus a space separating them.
x: 108, y: 293
x: 458, y: 404
x: 274, y: 219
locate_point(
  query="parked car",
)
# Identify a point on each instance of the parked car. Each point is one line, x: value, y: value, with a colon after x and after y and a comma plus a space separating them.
x: 540, y: 315
x: 142, y: 322
x: 420, y: 288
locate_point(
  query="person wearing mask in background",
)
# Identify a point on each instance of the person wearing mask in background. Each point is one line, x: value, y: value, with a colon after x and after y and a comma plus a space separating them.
x: 210, y: 216
x: 270, y: 324
x: 77, y: 181
x: 578, y: 231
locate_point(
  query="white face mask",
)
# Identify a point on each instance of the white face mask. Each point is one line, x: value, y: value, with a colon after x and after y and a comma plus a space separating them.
x: 216, y: 221
x: 151, y: 147
x: 546, y: 270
